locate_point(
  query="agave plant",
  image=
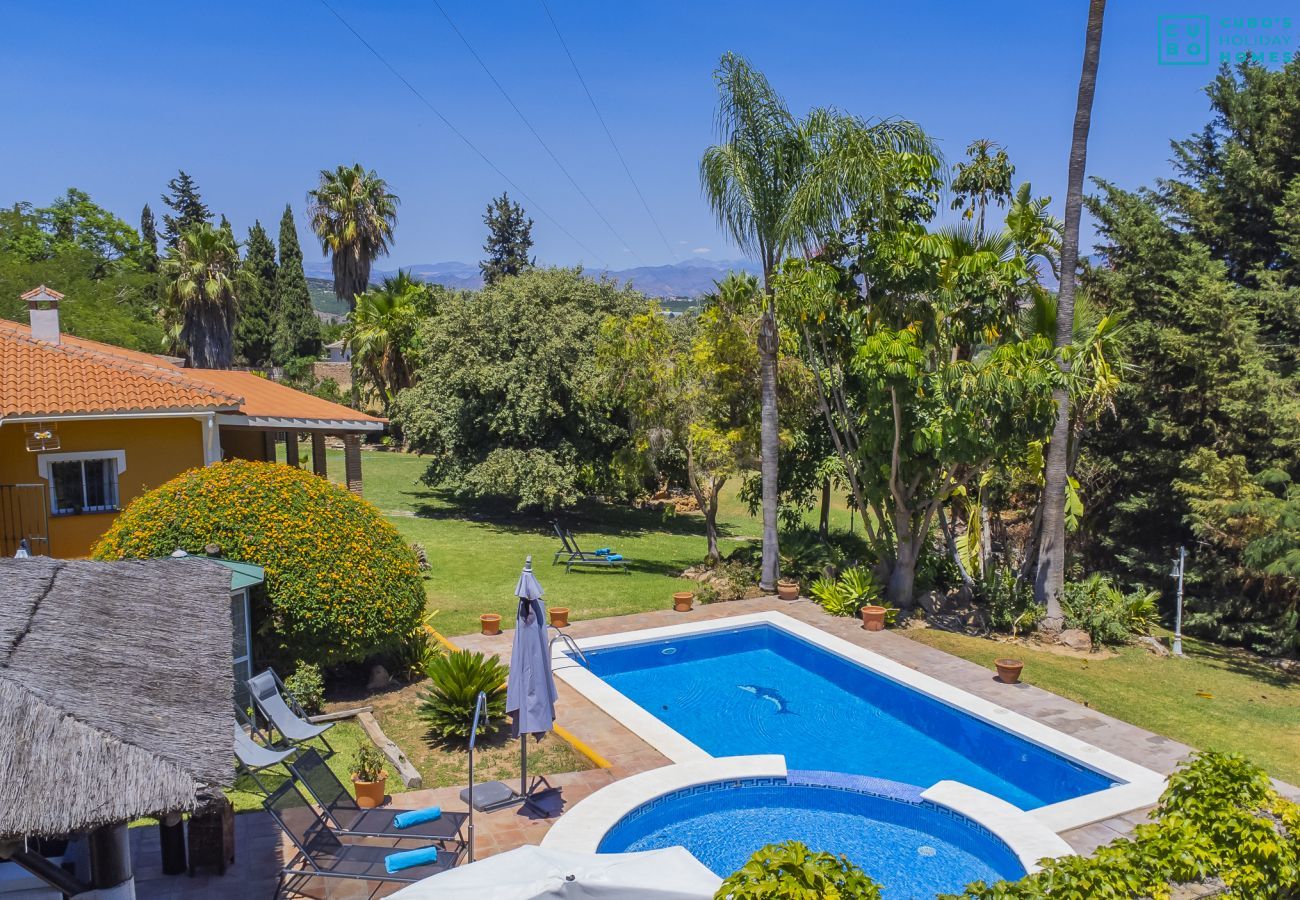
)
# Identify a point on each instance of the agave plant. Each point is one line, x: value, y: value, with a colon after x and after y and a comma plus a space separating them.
x: 846, y: 596
x: 456, y: 679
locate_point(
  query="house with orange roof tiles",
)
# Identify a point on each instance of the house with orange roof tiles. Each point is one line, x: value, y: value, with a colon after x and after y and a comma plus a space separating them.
x: 86, y: 427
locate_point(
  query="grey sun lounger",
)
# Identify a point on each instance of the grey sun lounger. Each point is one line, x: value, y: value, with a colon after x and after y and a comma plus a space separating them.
x: 269, y: 694
x: 347, y: 818
x: 324, y: 853
x: 252, y: 757
x: 576, y: 556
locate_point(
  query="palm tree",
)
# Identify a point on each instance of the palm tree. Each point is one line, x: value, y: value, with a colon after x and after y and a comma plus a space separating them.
x: 353, y: 213
x: 777, y: 183
x: 1050, y: 578
x: 200, y: 278
x: 380, y: 332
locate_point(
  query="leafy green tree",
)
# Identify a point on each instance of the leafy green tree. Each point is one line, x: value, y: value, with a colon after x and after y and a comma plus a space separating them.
x: 297, y: 331
x: 690, y: 384
x: 200, y: 273
x: 187, y: 208
x: 353, y: 213
x: 509, y: 403
x: 1050, y: 578
x: 924, y: 378
x: 149, y: 239
x: 777, y: 183
x: 509, y: 240
x: 985, y: 179
x: 73, y: 220
x: 108, y: 295
x: 381, y: 333
x: 258, y: 309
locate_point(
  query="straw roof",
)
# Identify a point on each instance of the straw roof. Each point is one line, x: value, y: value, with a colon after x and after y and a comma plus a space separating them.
x: 115, y: 690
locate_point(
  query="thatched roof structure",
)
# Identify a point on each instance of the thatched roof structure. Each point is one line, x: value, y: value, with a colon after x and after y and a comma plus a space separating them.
x: 115, y: 690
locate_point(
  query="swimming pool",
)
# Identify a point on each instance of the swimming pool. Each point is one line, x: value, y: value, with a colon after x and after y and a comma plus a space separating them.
x: 914, y: 849
x: 765, y: 683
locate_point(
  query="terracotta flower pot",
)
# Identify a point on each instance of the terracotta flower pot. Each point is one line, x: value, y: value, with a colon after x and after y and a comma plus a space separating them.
x: 873, y: 618
x: 370, y: 793
x: 559, y: 616
x: 490, y: 623
x: 787, y: 590
x: 682, y: 601
x: 1009, y: 670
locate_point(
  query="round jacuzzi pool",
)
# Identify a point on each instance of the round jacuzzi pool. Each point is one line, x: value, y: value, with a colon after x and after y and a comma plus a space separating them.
x: 913, y: 848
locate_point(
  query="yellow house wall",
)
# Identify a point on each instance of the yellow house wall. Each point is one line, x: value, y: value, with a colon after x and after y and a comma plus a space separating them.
x: 156, y: 450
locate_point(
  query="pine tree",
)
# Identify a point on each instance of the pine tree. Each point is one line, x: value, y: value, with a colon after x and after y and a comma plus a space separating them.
x: 297, y: 328
x: 149, y: 237
x: 256, y: 327
x: 510, y: 238
x: 188, y: 206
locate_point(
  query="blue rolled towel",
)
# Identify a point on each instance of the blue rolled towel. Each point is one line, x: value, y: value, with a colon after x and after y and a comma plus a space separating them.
x: 396, y: 862
x: 614, y: 557
x: 417, y: 816
x: 604, y: 551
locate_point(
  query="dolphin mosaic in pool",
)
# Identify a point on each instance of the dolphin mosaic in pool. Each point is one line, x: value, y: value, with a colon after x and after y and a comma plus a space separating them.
x: 771, y: 695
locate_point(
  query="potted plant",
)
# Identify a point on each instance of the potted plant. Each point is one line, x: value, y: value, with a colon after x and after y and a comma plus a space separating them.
x: 559, y: 616
x: 682, y: 601
x: 787, y: 589
x: 490, y: 623
x: 368, y: 776
x: 873, y: 618
x: 1009, y: 670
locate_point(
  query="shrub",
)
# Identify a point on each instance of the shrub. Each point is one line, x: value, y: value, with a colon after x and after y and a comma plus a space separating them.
x: 1109, y: 615
x: 1219, y: 817
x: 367, y: 763
x: 340, y: 581
x: 456, y: 680
x: 1011, y: 605
x: 790, y: 871
x: 805, y: 557
x: 307, y: 687
x: 412, y: 654
x: 846, y: 596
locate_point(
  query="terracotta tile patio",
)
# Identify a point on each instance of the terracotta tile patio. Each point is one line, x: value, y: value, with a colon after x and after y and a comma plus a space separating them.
x: 260, y: 847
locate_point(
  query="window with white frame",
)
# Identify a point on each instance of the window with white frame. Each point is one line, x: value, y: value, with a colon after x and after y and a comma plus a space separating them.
x: 85, y: 485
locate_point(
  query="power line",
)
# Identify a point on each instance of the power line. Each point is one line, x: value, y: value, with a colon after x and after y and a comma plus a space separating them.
x: 523, y: 118
x: 612, y: 143
x: 533, y: 204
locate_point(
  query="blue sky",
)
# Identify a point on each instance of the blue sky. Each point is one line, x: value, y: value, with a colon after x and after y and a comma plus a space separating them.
x: 253, y: 98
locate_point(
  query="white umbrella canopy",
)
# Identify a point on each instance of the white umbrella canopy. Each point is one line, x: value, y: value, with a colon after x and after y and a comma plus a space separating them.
x: 529, y: 872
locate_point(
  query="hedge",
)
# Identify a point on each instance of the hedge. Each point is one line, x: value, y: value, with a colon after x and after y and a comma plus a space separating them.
x: 340, y: 581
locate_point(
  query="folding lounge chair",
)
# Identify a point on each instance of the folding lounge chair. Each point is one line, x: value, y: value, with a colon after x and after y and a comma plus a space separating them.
x: 349, y: 819
x: 252, y: 757
x: 326, y: 854
x: 580, y: 557
x: 269, y: 694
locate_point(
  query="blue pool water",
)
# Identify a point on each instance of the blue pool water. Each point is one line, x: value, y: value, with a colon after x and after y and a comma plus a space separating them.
x: 913, y: 849
x: 760, y: 689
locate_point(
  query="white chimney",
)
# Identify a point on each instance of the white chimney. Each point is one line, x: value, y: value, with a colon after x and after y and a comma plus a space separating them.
x: 43, y: 313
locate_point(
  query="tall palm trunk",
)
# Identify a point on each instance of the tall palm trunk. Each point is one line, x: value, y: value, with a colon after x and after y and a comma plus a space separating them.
x: 1050, y: 577
x: 769, y: 439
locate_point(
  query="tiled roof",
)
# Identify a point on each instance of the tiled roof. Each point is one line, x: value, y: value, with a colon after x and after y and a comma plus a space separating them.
x: 264, y: 398
x: 83, y: 377
x: 38, y: 290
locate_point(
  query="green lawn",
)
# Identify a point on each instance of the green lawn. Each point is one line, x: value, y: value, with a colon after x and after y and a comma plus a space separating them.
x: 475, y: 555
x: 1251, y: 707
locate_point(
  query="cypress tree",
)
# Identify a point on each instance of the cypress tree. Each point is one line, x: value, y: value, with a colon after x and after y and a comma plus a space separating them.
x: 256, y: 326
x: 188, y: 206
x: 510, y: 237
x: 149, y: 238
x: 297, y: 328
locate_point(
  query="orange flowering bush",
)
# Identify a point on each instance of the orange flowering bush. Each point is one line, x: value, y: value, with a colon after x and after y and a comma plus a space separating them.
x: 341, y: 582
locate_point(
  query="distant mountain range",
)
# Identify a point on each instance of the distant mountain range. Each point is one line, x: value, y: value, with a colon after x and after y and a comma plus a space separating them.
x: 691, y: 278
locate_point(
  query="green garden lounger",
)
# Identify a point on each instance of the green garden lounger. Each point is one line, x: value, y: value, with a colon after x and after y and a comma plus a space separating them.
x: 576, y: 556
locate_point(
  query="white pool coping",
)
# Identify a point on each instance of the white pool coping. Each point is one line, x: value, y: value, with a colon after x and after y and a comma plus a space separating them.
x: 1029, y: 839
x: 1139, y: 786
